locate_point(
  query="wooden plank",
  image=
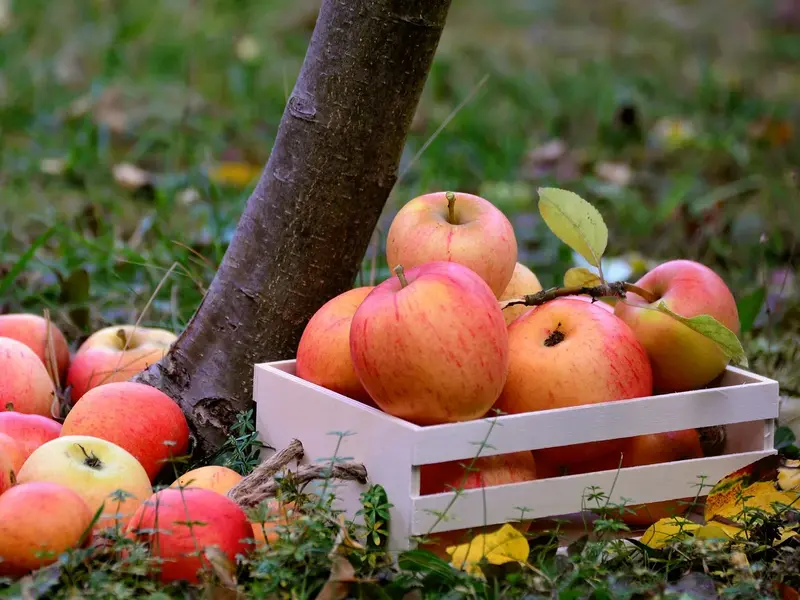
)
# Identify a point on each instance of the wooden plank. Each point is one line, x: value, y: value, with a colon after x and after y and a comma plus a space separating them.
x: 564, y: 495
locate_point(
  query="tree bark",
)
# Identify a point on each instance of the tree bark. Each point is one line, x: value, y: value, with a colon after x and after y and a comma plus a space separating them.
x: 307, y: 225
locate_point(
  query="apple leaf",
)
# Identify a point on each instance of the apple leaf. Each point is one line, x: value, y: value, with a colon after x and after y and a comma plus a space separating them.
x: 575, y: 222
x: 581, y: 277
x: 714, y: 330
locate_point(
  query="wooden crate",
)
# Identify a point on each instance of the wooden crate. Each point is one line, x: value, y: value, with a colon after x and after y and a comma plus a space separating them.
x: 392, y: 450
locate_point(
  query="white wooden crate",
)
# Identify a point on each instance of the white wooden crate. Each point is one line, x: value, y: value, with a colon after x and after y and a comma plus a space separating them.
x: 392, y: 450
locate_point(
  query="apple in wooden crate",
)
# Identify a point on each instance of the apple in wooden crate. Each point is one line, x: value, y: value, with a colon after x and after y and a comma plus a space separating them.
x: 431, y: 345
x: 26, y: 386
x: 116, y: 353
x: 32, y: 331
x: 523, y: 282
x: 457, y: 227
x: 569, y: 353
x: 323, y: 354
x: 682, y: 359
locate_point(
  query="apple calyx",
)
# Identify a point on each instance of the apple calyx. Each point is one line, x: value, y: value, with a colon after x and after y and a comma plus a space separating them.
x: 91, y: 459
x: 401, y: 275
x: 451, y: 208
x: 556, y: 337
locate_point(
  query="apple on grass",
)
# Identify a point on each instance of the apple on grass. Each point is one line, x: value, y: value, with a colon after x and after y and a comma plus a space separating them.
x: 100, y: 472
x: 523, y: 282
x: 39, y: 521
x: 31, y: 330
x: 26, y: 386
x: 682, y: 359
x: 211, y: 477
x: 13, y: 451
x: 7, y: 472
x: 457, y: 227
x: 569, y: 353
x: 323, y: 354
x: 29, y: 431
x: 116, y: 353
x: 487, y: 471
x: 137, y: 417
x: 182, y: 525
x: 430, y: 345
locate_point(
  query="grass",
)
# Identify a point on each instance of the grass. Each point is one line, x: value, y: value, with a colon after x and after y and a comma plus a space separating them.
x: 677, y: 120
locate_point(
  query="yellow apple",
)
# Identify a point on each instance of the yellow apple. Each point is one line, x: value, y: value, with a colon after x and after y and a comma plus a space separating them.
x: 116, y: 353
x: 523, y: 282
x: 211, y: 477
x: 94, y: 469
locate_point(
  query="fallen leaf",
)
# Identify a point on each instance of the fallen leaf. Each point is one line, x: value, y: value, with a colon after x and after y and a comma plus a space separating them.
x: 131, y: 177
x: 505, y: 545
x: 237, y: 174
x: 775, y: 132
x: 551, y: 159
x: 668, y: 530
x: 222, y: 566
x: 617, y: 173
x: 789, y: 475
x: 339, y: 581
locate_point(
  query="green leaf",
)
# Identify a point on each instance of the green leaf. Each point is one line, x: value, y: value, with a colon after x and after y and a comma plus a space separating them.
x: 581, y: 277
x: 575, y: 222
x: 714, y: 330
x: 749, y: 306
x: 19, y: 266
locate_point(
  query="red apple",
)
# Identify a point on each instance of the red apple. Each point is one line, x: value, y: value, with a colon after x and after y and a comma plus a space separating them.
x: 569, y: 353
x: 31, y: 330
x: 433, y: 347
x: 323, y: 355
x: 39, y: 521
x: 487, y: 471
x: 682, y: 359
x: 30, y: 431
x: 137, y: 417
x: 116, y: 353
x: 475, y: 234
x: 179, y: 524
x: 26, y: 385
x: 523, y: 282
x: 13, y: 451
x: 7, y: 471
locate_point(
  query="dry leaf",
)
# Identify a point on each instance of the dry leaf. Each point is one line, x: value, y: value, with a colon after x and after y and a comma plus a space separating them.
x: 668, y: 530
x: 505, y: 545
x: 730, y: 503
x: 617, y: 173
x: 221, y: 566
x: 237, y: 174
x: 131, y: 177
x: 776, y: 132
x: 341, y: 577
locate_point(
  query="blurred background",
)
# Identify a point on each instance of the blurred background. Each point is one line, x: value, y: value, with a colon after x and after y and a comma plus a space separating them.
x: 131, y: 134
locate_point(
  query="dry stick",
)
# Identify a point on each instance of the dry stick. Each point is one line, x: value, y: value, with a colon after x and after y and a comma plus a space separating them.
x: 260, y: 484
x: 606, y: 290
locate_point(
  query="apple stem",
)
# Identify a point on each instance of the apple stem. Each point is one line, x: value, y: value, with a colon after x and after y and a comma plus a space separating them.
x: 647, y: 295
x: 604, y: 290
x: 451, y: 207
x: 121, y: 335
x: 398, y: 270
x: 91, y: 460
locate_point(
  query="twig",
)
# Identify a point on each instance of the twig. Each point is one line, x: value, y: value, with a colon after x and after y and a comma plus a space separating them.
x: 617, y: 289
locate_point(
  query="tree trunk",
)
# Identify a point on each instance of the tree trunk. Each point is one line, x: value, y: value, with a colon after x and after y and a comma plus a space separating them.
x: 307, y: 225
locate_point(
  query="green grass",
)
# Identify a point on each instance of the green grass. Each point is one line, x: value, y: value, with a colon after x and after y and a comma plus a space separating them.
x: 96, y: 84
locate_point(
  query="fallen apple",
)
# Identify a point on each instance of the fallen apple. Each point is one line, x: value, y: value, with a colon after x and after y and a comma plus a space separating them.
x: 523, y: 282
x: 137, y: 417
x: 181, y: 525
x: 323, y: 354
x: 430, y: 345
x: 7, y: 472
x: 38, y: 522
x: 210, y: 477
x: 26, y: 386
x: 457, y: 227
x: 31, y: 330
x: 29, y: 431
x: 569, y: 353
x: 116, y: 353
x: 682, y: 359
x: 13, y: 451
x: 100, y: 472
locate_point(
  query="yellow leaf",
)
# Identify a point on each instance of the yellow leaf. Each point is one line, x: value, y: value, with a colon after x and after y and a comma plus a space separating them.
x: 789, y: 476
x: 575, y: 222
x: 235, y: 174
x: 718, y: 531
x: 499, y: 547
x: 581, y: 277
x: 731, y: 503
x: 667, y: 530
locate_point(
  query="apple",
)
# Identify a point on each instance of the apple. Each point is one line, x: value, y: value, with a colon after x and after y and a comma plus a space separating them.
x: 137, y: 417
x: 598, y: 303
x: 211, y: 477
x: 7, y: 472
x: 523, y: 282
x: 116, y: 353
x: 94, y: 469
x: 31, y: 330
x: 191, y: 520
x: 682, y: 359
x: 487, y: 471
x: 431, y: 346
x: 323, y: 354
x: 30, y: 431
x: 468, y: 230
x: 26, y: 386
x: 39, y: 521
x: 13, y: 451
x: 277, y: 514
x: 569, y: 353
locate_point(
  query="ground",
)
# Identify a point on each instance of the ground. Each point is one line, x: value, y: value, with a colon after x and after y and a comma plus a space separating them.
x: 678, y: 120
